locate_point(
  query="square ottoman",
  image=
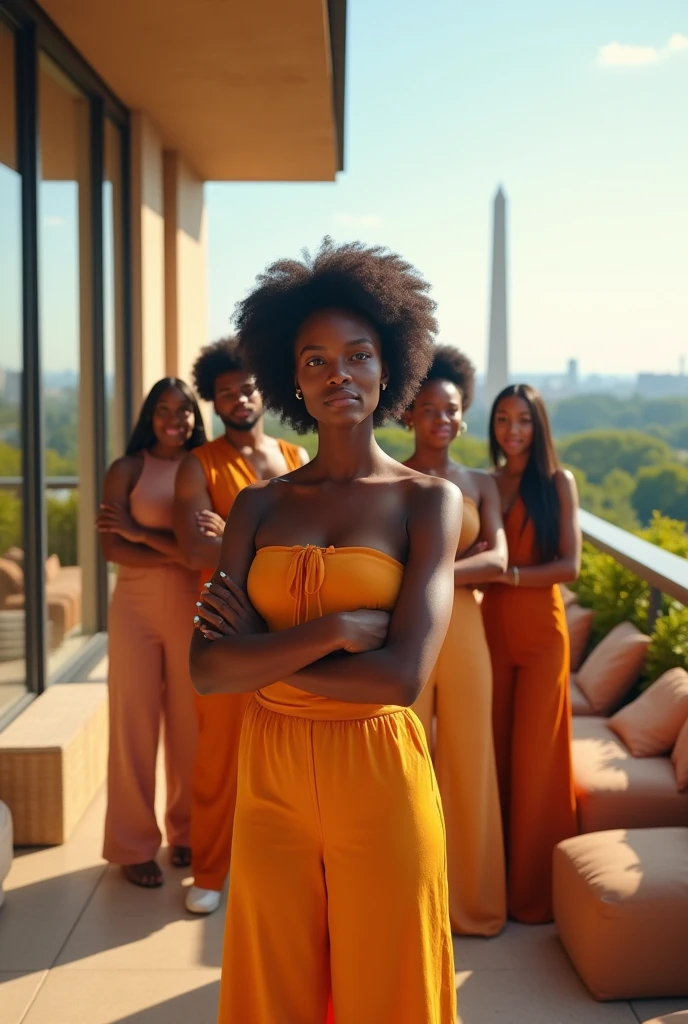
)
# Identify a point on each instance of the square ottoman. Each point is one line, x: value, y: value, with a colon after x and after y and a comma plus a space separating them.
x: 621, y: 910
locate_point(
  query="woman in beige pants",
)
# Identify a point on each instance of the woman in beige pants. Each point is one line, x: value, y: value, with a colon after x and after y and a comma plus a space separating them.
x: 150, y: 625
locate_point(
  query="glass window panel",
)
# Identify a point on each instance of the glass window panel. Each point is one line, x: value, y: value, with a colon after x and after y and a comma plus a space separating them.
x: 66, y: 348
x: 113, y: 302
x: 113, y: 294
x: 12, y: 615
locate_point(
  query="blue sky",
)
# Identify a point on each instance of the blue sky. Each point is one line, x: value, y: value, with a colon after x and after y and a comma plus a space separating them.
x: 578, y: 110
x: 445, y: 101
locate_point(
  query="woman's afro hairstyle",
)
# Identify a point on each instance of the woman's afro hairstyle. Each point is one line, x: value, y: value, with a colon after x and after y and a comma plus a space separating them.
x: 369, y: 281
x: 222, y: 356
x: 448, y: 363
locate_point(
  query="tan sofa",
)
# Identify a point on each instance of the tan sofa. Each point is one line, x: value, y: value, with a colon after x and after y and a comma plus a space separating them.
x: 615, y: 789
x: 62, y: 591
x: 621, y: 910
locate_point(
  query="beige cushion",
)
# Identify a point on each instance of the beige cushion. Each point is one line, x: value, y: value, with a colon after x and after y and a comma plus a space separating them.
x: 650, y: 724
x: 621, y: 910
x: 579, y: 622
x: 615, y: 789
x: 11, y: 579
x: 613, y: 667
x: 580, y: 705
x: 52, y: 568
x: 679, y: 758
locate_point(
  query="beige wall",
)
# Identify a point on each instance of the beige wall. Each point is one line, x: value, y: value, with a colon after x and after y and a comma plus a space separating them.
x: 169, y: 255
x: 185, y: 266
x: 148, y: 258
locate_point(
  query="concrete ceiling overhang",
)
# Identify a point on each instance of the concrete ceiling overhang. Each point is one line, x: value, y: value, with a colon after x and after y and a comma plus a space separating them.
x: 246, y: 90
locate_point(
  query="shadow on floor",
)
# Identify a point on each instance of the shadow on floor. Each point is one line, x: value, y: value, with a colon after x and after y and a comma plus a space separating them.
x: 38, y: 917
x: 121, y: 914
x: 197, y: 1007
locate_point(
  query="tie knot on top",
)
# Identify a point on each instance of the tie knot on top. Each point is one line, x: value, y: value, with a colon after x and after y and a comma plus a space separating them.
x: 305, y: 579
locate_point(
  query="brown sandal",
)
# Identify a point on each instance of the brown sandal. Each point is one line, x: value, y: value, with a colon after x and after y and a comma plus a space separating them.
x: 180, y: 856
x: 147, y: 875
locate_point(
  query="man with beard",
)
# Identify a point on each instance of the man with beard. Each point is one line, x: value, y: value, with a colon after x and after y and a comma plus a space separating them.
x: 207, y: 483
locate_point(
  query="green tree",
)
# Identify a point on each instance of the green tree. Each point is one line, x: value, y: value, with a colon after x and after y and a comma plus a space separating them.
x: 610, y: 500
x: 396, y: 441
x: 677, y: 436
x: 662, y: 489
x: 584, y: 412
x: 10, y: 460
x: 669, y: 645
x: 471, y: 452
x: 63, y: 518
x: 10, y: 521
x: 664, y: 412
x: 598, y: 452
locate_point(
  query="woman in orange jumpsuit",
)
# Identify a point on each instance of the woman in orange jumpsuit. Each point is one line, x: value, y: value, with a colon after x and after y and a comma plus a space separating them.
x: 526, y: 631
x: 148, y: 678
x: 455, y: 706
x: 332, y: 598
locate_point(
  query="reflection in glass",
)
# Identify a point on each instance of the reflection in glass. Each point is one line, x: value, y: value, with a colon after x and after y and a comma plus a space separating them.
x: 113, y: 302
x: 64, y: 239
x: 12, y: 614
x: 113, y: 266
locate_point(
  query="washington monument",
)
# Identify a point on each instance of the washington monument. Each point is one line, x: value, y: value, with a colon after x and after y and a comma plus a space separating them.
x: 498, y: 348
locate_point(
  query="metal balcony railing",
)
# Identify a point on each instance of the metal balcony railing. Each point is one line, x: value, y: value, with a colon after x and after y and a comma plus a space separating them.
x: 52, y: 483
x: 666, y: 573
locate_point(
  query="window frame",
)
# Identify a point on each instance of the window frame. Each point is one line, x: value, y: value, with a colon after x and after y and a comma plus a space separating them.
x: 35, y: 33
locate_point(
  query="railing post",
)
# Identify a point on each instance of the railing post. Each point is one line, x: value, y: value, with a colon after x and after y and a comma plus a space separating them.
x: 654, y: 607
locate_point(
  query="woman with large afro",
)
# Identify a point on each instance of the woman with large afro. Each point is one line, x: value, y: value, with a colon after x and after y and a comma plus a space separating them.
x: 330, y: 603
x: 455, y: 706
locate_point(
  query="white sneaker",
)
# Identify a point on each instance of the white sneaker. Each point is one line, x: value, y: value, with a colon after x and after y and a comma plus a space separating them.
x: 202, y: 901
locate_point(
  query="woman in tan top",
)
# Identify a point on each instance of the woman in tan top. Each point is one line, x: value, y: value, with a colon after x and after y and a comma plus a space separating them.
x: 150, y: 625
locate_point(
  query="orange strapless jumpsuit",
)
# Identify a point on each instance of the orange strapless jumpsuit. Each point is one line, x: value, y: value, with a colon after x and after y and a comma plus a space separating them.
x: 338, y: 887
x: 458, y: 696
x: 531, y: 713
x: 220, y: 715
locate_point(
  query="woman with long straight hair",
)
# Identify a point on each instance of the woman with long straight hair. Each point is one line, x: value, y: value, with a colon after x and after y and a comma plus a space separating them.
x: 149, y: 631
x: 455, y: 706
x: 331, y: 601
x: 526, y: 631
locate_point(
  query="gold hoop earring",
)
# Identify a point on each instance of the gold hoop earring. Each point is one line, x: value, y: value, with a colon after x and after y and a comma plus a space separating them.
x: 299, y: 395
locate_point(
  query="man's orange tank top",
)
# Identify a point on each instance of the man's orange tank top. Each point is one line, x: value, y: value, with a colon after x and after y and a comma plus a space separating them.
x: 228, y: 472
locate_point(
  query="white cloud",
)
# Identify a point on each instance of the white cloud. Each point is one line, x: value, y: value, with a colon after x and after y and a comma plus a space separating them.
x: 354, y: 220
x: 677, y: 42
x: 54, y: 222
x: 628, y: 55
